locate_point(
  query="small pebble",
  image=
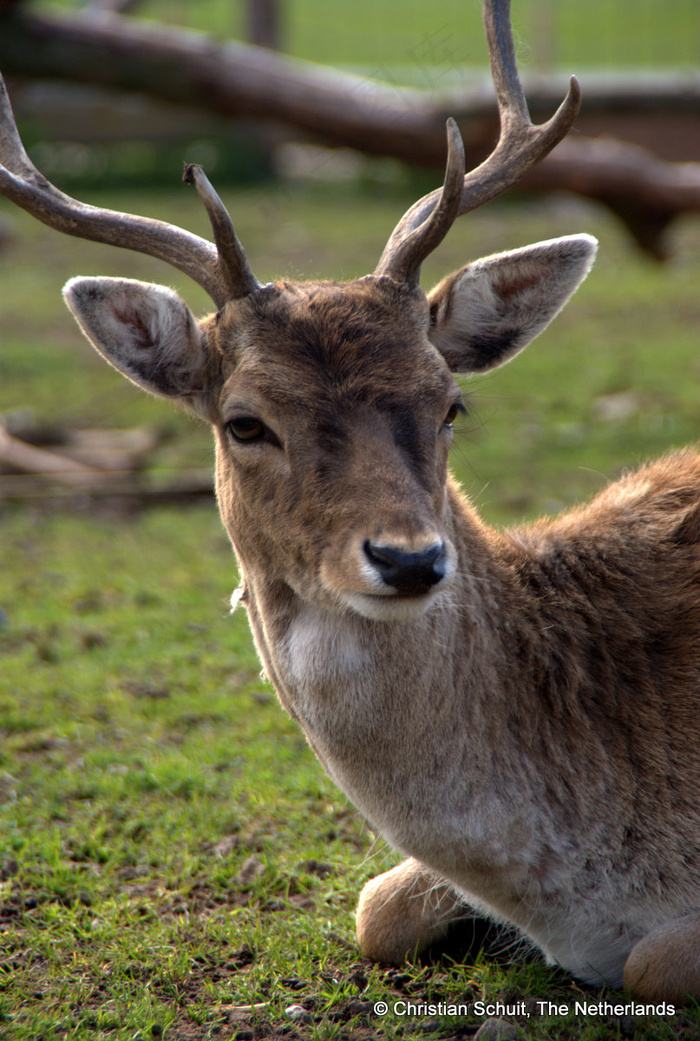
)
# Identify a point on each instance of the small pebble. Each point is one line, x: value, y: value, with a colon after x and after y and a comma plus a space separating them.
x: 496, y: 1030
x: 297, y: 1013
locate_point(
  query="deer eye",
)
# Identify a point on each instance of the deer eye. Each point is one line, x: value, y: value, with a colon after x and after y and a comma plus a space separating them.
x: 452, y: 414
x: 246, y: 428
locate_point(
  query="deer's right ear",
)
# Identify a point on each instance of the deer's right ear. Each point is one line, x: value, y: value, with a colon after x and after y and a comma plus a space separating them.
x: 145, y: 331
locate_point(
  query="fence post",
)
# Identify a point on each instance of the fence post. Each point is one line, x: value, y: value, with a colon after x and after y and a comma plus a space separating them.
x: 264, y: 23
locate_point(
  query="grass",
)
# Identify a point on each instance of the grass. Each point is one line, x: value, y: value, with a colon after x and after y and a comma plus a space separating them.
x: 419, y: 43
x: 173, y: 862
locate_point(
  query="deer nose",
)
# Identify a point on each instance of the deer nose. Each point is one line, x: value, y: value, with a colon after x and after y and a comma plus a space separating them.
x: 410, y: 574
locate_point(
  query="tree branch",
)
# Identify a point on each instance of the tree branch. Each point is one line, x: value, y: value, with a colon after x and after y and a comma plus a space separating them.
x: 113, y: 6
x: 339, y: 110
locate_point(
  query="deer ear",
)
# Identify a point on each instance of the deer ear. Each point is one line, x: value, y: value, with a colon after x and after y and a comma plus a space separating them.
x: 483, y: 315
x: 145, y: 331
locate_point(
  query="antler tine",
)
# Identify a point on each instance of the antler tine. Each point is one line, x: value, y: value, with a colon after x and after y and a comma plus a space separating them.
x: 22, y: 183
x: 521, y: 145
x: 402, y: 259
x: 235, y: 270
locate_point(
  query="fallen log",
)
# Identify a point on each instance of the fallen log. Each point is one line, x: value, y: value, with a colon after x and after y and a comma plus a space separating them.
x: 240, y: 81
x: 340, y: 110
x: 17, y: 456
x: 134, y: 493
x: 90, y: 466
x: 644, y: 192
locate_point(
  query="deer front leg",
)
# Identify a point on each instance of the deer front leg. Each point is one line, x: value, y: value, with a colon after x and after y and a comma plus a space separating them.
x: 665, y: 964
x: 403, y: 911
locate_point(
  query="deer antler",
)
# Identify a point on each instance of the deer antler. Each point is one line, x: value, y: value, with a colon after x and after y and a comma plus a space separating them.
x: 233, y: 266
x: 223, y: 272
x: 521, y: 145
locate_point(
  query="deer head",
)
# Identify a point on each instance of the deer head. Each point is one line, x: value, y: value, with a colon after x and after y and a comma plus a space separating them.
x: 332, y: 404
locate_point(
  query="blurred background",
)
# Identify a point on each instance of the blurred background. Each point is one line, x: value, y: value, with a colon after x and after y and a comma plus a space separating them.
x: 157, y: 808
x: 320, y: 124
x: 639, y: 62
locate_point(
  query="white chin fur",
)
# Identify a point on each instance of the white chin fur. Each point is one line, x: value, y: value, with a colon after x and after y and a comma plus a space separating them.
x: 389, y: 608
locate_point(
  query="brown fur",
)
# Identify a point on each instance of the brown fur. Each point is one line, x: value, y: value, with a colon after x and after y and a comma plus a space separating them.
x: 525, y: 725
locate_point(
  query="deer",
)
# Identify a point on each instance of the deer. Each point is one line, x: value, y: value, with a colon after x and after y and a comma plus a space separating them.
x: 515, y: 711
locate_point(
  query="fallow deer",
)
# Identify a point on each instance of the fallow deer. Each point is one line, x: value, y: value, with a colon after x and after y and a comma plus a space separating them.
x: 516, y: 711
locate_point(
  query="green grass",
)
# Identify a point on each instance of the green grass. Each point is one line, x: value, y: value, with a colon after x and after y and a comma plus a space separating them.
x: 173, y: 861
x: 419, y: 43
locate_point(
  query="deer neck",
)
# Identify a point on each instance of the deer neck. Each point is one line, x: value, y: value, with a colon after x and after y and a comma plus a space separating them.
x: 376, y: 697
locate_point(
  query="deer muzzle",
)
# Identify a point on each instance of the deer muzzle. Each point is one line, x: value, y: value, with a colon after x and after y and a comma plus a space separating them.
x: 408, y: 573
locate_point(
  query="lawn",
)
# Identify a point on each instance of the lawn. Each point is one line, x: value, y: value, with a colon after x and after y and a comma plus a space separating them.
x: 173, y: 861
x: 414, y: 42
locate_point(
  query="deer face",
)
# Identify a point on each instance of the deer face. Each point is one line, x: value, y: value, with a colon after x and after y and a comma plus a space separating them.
x: 332, y: 406
x: 333, y: 425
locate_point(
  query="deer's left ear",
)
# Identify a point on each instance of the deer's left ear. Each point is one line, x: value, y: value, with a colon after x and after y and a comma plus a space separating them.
x: 483, y: 315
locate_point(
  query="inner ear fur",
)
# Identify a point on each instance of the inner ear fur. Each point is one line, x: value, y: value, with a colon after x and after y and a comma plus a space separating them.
x: 145, y: 331
x: 484, y: 314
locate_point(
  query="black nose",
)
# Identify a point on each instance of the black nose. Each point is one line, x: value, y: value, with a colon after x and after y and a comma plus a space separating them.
x: 409, y: 573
